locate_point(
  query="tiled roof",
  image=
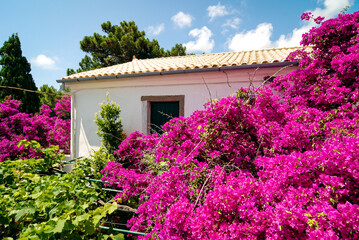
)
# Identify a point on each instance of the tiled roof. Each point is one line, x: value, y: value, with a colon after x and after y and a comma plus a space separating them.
x: 190, y: 62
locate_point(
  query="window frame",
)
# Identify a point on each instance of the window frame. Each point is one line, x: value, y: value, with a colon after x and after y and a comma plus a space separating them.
x: 160, y: 98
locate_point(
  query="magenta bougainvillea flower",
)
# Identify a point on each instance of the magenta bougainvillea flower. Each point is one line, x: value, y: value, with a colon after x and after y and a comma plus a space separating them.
x: 279, y: 162
x: 47, y: 130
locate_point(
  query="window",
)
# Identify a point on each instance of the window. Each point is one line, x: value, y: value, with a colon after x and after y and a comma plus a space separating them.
x: 161, y: 109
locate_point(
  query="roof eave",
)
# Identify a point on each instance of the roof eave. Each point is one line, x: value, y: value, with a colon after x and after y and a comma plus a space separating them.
x: 196, y: 70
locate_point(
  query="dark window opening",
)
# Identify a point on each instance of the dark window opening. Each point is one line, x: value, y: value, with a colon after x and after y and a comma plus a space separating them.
x: 162, y: 112
x: 161, y: 109
x: 269, y: 79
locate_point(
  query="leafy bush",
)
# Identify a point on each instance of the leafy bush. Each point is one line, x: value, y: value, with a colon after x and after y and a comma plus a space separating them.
x: 41, y: 206
x: 109, y: 125
x: 281, y: 165
x: 98, y: 161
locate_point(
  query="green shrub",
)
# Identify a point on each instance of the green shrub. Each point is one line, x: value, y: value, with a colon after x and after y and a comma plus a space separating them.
x: 109, y: 125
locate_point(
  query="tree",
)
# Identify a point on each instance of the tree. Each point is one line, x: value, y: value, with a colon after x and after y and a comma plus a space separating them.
x: 177, y: 50
x: 15, y: 72
x: 51, y: 96
x: 109, y: 125
x: 119, y: 45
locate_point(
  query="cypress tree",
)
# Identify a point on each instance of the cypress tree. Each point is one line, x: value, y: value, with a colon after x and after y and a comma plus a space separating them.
x: 15, y: 72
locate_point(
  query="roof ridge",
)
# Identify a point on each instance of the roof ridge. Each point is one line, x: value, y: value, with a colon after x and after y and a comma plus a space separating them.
x: 206, y: 54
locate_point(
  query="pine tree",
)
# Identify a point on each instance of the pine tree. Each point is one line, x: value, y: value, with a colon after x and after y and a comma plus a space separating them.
x: 119, y: 44
x: 15, y: 72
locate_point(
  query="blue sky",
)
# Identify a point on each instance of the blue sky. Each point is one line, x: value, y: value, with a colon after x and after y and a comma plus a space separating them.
x: 50, y: 31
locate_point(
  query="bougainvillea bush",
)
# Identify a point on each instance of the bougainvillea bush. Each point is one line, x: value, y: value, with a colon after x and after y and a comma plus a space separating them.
x: 41, y: 127
x: 279, y: 162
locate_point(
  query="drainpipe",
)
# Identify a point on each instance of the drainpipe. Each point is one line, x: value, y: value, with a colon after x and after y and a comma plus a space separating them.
x: 73, y: 125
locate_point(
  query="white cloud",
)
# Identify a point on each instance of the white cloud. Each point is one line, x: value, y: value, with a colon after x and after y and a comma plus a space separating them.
x: 293, y: 39
x: 260, y: 37
x: 217, y: 11
x: 330, y: 10
x: 203, y: 42
x: 155, y: 30
x: 233, y: 23
x: 44, y: 62
x: 182, y: 20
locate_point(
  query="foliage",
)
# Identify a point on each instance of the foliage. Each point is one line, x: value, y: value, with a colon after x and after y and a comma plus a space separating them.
x: 279, y: 162
x: 15, y: 72
x: 50, y: 157
x: 119, y: 45
x: 49, y: 99
x: 99, y: 160
x: 35, y: 206
x: 41, y: 127
x: 52, y: 97
x: 109, y: 125
x: 177, y: 50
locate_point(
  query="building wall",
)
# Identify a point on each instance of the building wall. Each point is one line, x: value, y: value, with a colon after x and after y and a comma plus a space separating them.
x: 198, y: 88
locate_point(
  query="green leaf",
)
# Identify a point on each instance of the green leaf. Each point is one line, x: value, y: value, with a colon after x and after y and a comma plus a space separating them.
x: 59, y: 226
x: 96, y: 219
x: 112, y: 208
x: 81, y: 218
x: 20, y: 143
x: 20, y: 213
x: 35, y: 195
x: 89, y: 228
x: 31, y: 210
x: 34, y: 144
x: 119, y: 236
x: 85, y: 206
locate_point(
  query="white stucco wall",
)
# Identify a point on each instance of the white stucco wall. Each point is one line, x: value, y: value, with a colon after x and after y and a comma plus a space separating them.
x: 197, y: 88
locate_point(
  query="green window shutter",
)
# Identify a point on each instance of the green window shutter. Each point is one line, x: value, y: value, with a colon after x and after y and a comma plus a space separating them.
x: 162, y: 112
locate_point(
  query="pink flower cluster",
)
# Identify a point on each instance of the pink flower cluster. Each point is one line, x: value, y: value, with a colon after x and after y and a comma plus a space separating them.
x: 16, y: 126
x: 308, y: 15
x: 280, y: 164
x: 63, y: 107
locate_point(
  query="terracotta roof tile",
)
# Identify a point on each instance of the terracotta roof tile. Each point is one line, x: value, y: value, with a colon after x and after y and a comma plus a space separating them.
x: 191, y: 62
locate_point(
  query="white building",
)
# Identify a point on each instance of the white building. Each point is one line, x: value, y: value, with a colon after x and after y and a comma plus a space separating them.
x: 147, y: 89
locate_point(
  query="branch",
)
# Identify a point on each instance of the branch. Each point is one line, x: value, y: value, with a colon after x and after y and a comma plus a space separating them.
x: 275, y: 74
x: 204, y: 184
x: 209, y: 91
